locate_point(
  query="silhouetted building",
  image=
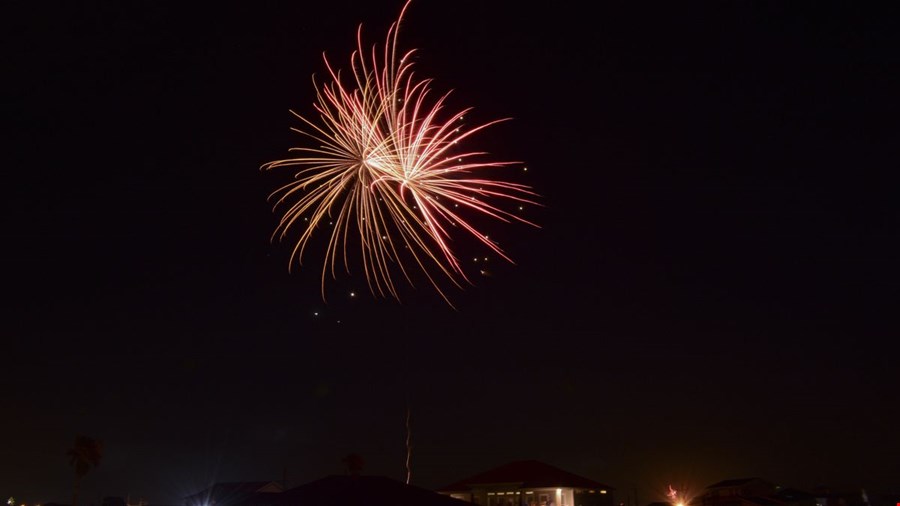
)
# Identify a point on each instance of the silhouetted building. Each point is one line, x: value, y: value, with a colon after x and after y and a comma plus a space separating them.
x: 884, y: 499
x: 829, y: 497
x: 243, y: 493
x: 795, y: 497
x: 530, y: 483
x: 757, y: 492
x: 358, y: 490
x: 739, y: 492
x: 113, y: 501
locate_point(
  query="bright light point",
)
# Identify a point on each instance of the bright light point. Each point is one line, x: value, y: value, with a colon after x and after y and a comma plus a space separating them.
x: 353, y: 294
x: 315, y: 313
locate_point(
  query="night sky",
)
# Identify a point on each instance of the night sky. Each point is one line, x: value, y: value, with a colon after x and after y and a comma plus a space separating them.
x: 712, y: 293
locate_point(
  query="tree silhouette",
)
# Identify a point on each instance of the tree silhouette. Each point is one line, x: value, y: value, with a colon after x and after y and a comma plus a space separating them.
x: 85, y: 454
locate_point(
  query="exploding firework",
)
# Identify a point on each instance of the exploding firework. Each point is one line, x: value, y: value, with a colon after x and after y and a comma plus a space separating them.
x: 385, y: 179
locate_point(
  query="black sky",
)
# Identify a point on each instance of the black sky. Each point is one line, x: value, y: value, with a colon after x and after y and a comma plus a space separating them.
x: 711, y: 295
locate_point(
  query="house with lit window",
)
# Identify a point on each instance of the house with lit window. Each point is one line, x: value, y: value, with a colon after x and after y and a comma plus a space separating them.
x: 529, y: 483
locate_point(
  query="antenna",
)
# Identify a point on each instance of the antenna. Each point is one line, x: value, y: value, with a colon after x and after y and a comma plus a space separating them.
x: 408, y: 445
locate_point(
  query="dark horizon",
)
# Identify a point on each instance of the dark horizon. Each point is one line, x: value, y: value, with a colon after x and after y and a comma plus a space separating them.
x: 240, y: 490
x: 711, y: 293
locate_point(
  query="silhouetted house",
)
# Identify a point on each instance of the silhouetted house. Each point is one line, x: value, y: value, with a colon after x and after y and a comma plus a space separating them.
x: 758, y: 500
x: 826, y: 496
x: 741, y: 487
x: 886, y: 499
x: 113, y: 501
x: 242, y: 493
x: 739, y: 492
x: 363, y: 491
x: 795, y: 497
x: 530, y: 483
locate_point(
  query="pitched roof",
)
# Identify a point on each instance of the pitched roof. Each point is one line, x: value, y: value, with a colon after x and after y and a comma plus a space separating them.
x: 237, y: 486
x: 761, y: 501
x: 232, y: 491
x: 368, y: 490
x: 526, y: 474
x: 791, y: 494
x: 736, y: 482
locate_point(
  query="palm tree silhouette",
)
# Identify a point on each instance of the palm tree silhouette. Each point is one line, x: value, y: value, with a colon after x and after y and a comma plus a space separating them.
x: 85, y: 454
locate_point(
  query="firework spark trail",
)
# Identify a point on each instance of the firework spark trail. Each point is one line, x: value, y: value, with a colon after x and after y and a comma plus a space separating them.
x: 672, y: 493
x: 386, y: 175
x: 678, y: 497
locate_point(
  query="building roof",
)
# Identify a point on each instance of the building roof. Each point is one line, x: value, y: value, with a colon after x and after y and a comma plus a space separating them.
x: 735, y: 482
x: 239, y: 487
x: 526, y: 474
x: 232, y: 492
x: 760, y: 500
x: 793, y: 494
x: 366, y: 490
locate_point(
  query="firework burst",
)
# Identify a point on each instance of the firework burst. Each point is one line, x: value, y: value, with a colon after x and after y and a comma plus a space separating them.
x: 385, y: 178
